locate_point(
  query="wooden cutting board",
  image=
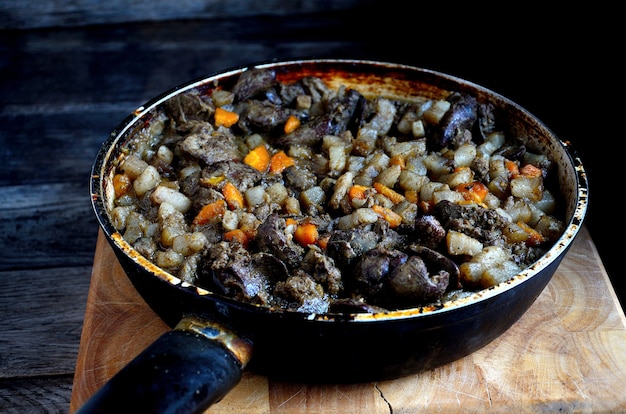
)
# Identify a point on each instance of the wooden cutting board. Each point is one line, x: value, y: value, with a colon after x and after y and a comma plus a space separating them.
x: 566, y: 354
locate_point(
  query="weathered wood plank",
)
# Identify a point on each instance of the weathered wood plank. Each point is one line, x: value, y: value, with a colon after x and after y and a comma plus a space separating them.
x: 42, y: 316
x: 36, y: 395
x: 46, y: 226
x: 37, y: 14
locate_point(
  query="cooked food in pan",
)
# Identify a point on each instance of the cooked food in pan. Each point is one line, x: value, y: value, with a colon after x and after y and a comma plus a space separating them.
x: 306, y: 197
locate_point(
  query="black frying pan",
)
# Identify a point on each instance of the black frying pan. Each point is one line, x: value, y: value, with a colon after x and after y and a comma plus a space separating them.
x: 214, y: 337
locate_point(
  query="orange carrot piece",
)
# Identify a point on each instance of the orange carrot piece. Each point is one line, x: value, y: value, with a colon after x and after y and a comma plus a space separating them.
x: 393, y: 218
x: 322, y: 241
x: 210, y: 211
x: 358, y: 191
x: 290, y: 222
x: 280, y: 161
x: 398, y: 160
x: 306, y: 234
x: 225, y: 118
x: 391, y: 194
x: 258, y: 158
x: 474, y: 191
x: 121, y: 184
x: 534, y: 237
x: 412, y: 196
x: 512, y: 168
x: 233, y: 196
x: 292, y: 124
x: 530, y: 170
x: 237, y: 235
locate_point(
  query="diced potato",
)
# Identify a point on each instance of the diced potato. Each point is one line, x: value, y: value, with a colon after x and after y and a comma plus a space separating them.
x: 427, y: 190
x: 165, y: 154
x: 230, y: 220
x: 406, y: 122
x: 447, y: 194
x: 255, y: 196
x: 547, y: 204
x: 514, y: 233
x: 312, y: 196
x: 497, y: 167
x: 406, y: 210
x: 119, y: 216
x: 358, y: 217
x: 550, y: 227
x: 189, y: 243
x: 499, y: 273
x: 471, y: 272
x: 418, y: 129
x: 492, y: 201
x: 493, y: 141
x: 355, y: 163
x: 436, y: 111
x: 416, y: 165
x: 389, y: 176
x: 278, y: 193
x: 147, y: 180
x: 408, y: 180
x: 292, y: 206
x: 462, y: 175
x: 527, y: 187
x: 499, y: 186
x: 169, y: 259
x: 221, y: 97
x: 255, y: 140
x: 437, y: 165
x: 519, y: 210
x: 341, y: 188
x: 464, y: 155
x: 336, y: 159
x: 133, y: 166
x: 459, y: 243
x: 413, y: 148
x: 175, y: 198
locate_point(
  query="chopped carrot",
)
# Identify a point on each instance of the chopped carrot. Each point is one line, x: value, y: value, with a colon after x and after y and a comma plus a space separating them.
x: 398, y: 160
x: 534, y: 237
x: 474, y: 191
x: 292, y: 124
x: 210, y: 211
x: 306, y: 234
x: 412, y: 196
x: 391, y: 194
x: 225, y: 118
x: 258, y: 158
x: 322, y: 241
x: 249, y: 231
x: 530, y: 170
x: 290, y: 221
x: 211, y: 181
x: 237, y: 235
x: 512, y: 168
x: 393, y: 218
x: 280, y: 161
x: 426, y: 206
x: 121, y: 184
x: 358, y: 191
x: 233, y: 196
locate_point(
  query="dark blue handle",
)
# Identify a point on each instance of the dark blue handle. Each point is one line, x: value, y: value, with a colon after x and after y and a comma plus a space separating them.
x: 181, y: 372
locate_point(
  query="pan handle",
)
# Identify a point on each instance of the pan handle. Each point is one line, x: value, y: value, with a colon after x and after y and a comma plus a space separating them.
x: 185, y: 370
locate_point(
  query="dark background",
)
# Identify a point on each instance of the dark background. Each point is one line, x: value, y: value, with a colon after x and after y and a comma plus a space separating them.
x: 70, y: 73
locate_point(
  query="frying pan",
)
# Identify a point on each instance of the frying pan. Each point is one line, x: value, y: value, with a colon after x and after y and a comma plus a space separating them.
x: 214, y: 338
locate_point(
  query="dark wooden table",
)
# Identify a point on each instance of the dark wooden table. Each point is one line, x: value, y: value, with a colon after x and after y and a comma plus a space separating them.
x: 67, y: 80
